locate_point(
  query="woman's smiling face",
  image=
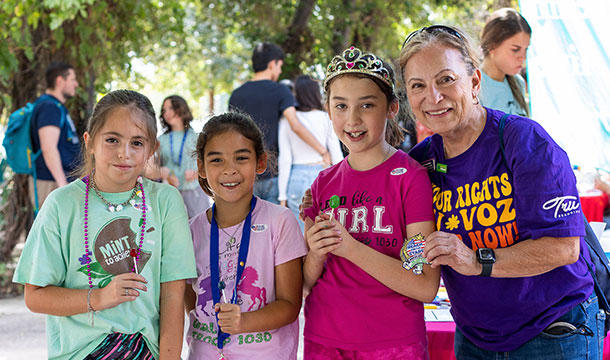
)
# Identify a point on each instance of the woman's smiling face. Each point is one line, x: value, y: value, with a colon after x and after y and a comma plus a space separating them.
x: 440, y: 91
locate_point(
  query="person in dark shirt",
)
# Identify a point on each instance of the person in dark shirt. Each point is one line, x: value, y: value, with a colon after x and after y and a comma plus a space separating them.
x: 54, y: 133
x: 266, y: 101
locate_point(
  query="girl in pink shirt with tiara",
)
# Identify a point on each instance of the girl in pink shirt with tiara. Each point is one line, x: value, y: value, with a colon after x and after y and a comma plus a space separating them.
x: 246, y: 299
x: 362, y: 303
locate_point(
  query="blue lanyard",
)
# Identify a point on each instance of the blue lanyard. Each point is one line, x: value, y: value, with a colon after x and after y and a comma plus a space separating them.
x: 171, y: 147
x: 241, y: 263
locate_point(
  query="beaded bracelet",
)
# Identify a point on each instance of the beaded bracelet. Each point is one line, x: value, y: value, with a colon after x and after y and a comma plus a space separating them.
x: 89, y: 308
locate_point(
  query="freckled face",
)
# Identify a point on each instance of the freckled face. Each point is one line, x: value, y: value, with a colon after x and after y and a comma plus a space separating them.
x: 439, y: 89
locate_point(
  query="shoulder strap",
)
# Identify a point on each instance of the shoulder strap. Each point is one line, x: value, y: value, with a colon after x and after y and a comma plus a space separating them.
x: 501, y: 127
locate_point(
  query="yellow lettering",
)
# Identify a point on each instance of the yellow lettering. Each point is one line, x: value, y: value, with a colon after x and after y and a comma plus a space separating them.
x: 494, y: 180
x: 508, y: 213
x: 506, y: 187
x: 459, y: 203
x: 485, y: 190
x: 487, y: 219
x: 474, y: 193
x: 466, y: 219
x: 447, y: 197
x: 437, y: 198
x: 439, y: 219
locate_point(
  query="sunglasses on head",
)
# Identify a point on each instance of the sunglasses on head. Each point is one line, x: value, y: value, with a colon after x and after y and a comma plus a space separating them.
x: 433, y: 29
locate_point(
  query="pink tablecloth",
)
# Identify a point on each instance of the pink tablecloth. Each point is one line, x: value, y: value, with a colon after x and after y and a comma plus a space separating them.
x: 440, y: 341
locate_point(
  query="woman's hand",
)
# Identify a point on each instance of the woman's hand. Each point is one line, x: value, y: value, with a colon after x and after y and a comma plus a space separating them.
x: 123, y: 288
x: 447, y: 249
x: 230, y: 318
x: 323, y: 237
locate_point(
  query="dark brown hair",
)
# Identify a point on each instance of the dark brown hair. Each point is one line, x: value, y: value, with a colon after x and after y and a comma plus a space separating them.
x: 307, y: 93
x: 503, y: 24
x: 181, y: 108
x: 220, y: 124
x: 394, y: 134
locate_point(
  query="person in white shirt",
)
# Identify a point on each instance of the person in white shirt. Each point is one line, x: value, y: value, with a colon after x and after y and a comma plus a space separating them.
x: 299, y: 163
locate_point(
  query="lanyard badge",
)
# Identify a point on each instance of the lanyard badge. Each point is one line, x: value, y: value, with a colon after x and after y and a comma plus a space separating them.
x: 217, y: 285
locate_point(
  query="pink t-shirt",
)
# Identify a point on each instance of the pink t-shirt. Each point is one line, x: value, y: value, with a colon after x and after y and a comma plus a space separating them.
x: 347, y: 308
x: 275, y: 239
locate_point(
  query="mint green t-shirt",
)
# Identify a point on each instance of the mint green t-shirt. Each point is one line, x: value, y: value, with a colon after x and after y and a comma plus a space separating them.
x: 170, y: 155
x: 498, y: 95
x: 54, y: 255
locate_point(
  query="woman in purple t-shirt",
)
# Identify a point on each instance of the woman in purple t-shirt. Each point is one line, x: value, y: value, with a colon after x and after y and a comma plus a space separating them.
x: 509, y: 239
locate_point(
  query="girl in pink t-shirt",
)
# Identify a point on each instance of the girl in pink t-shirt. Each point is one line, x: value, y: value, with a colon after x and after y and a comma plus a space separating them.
x: 246, y: 299
x: 362, y: 303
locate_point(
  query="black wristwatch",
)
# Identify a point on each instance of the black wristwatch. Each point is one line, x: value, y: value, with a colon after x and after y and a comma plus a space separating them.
x: 487, y: 258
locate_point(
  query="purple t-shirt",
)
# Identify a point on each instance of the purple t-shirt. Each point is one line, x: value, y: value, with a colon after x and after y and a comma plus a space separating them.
x: 481, y: 202
x: 275, y: 239
x: 348, y: 308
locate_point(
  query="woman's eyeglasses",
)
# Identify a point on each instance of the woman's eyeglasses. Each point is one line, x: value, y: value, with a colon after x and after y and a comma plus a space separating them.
x: 433, y: 29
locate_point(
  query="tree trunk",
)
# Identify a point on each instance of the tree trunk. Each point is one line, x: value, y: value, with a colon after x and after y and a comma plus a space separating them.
x: 298, y: 37
x: 343, y: 28
x: 211, y: 100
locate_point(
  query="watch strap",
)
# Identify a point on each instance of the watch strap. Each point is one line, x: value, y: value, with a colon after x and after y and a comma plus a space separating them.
x: 486, y: 271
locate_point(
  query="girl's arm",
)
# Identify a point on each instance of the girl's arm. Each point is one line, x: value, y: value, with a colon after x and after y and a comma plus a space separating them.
x: 59, y: 301
x: 388, y: 270
x: 190, y: 298
x: 321, y: 239
x: 171, y: 319
x: 283, y: 311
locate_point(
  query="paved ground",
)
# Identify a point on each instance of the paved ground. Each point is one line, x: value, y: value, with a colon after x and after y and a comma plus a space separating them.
x: 22, y: 333
x: 23, y: 336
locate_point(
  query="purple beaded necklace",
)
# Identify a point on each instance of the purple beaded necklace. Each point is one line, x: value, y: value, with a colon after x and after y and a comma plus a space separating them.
x: 86, y: 224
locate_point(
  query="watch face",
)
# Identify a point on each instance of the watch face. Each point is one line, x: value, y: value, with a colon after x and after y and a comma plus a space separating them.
x: 486, y: 255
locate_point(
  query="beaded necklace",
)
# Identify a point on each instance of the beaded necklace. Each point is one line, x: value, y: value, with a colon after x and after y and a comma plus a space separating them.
x: 86, y: 231
x: 114, y: 207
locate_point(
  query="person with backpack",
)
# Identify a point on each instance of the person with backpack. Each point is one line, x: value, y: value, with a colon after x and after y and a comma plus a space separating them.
x: 510, y: 237
x: 53, y: 133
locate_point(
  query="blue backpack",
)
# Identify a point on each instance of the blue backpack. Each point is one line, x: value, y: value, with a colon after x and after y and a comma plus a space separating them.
x: 20, y: 155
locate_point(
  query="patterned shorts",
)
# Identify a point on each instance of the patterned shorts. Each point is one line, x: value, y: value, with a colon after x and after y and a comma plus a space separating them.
x: 121, y: 346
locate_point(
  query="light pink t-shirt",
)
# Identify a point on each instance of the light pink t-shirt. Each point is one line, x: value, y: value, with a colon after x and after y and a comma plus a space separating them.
x: 275, y: 239
x: 347, y: 308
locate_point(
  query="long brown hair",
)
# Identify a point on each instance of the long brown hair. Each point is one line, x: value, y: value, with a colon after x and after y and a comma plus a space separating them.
x: 501, y: 25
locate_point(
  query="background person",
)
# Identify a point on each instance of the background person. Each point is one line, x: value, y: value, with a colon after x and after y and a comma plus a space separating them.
x: 506, y: 247
x: 177, y: 145
x: 59, y: 144
x: 504, y: 41
x: 265, y: 101
x: 299, y: 163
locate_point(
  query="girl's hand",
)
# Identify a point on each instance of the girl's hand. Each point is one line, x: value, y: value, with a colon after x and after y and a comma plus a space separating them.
x: 173, y: 180
x: 190, y: 175
x: 306, y: 203
x: 323, y: 237
x: 123, y: 288
x: 447, y: 249
x: 229, y: 318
